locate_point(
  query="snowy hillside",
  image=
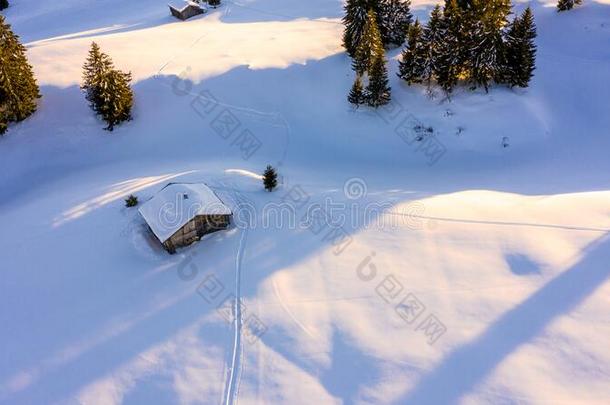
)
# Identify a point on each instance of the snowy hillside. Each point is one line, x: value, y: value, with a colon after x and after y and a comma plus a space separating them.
x: 466, y: 273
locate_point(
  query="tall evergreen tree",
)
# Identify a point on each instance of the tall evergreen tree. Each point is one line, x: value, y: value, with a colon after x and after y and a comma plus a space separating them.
x: 370, y: 44
x: 410, y: 67
x: 96, y: 66
x: 18, y: 88
x: 486, y: 58
x: 116, y: 98
x: 106, y: 88
x: 378, y: 90
x: 452, y: 53
x: 354, y: 21
x: 356, y: 95
x: 493, y: 12
x: 521, y: 50
x: 507, y: 72
x: 432, y: 39
x: 394, y: 21
x: 3, y: 4
x: 487, y: 52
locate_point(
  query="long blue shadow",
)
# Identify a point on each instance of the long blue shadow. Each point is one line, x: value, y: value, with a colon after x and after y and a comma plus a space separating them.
x: 464, y: 368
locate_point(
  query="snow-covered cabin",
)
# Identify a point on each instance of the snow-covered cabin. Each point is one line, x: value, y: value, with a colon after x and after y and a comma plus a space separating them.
x: 181, y: 213
x: 185, y: 9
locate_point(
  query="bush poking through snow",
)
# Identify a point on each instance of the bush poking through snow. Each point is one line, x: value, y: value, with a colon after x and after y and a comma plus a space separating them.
x: 106, y: 88
x: 131, y: 201
x: 18, y: 88
x: 270, y: 178
x: 3, y: 4
x: 214, y: 3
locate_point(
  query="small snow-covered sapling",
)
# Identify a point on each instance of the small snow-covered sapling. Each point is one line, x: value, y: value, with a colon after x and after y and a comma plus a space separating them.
x: 131, y: 201
x: 270, y: 178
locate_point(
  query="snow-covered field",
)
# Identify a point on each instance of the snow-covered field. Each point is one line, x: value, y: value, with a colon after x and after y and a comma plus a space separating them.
x: 469, y: 273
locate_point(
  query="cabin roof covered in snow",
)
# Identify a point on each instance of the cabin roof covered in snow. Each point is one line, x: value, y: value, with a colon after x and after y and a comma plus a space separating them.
x: 182, y: 5
x: 176, y: 204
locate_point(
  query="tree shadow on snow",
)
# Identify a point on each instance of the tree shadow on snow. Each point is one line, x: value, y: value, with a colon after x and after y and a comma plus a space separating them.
x: 460, y: 371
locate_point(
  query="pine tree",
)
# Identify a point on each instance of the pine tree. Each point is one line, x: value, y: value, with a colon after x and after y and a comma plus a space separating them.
x: 96, y: 66
x: 356, y: 94
x: 487, y: 53
x: 432, y: 40
x: 521, y: 50
x: 370, y: 44
x: 362, y: 57
x: 508, y: 72
x: 529, y: 49
x: 394, y: 21
x: 370, y: 58
x: 564, y: 5
x: 354, y: 20
x: 487, y: 58
x: 115, y: 98
x: 214, y: 3
x: 413, y: 56
x: 18, y: 88
x: 106, y: 88
x: 270, y: 178
x: 378, y: 90
x: 494, y: 12
x: 3, y: 4
x: 451, y: 55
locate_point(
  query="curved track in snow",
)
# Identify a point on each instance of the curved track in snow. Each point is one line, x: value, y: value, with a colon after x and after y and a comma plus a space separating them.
x: 232, y: 386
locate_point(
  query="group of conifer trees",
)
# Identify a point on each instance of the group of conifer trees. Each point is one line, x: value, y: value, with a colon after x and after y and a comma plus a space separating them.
x: 563, y: 5
x: 393, y: 20
x: 471, y: 41
x: 371, y: 26
x: 18, y: 88
x: 107, y: 88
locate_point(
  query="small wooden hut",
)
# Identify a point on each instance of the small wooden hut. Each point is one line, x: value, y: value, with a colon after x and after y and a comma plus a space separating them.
x: 186, y: 9
x: 181, y: 213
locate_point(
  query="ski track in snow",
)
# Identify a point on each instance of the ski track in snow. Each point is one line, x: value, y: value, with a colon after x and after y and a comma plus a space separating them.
x: 232, y: 385
x: 501, y: 223
x: 292, y: 316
